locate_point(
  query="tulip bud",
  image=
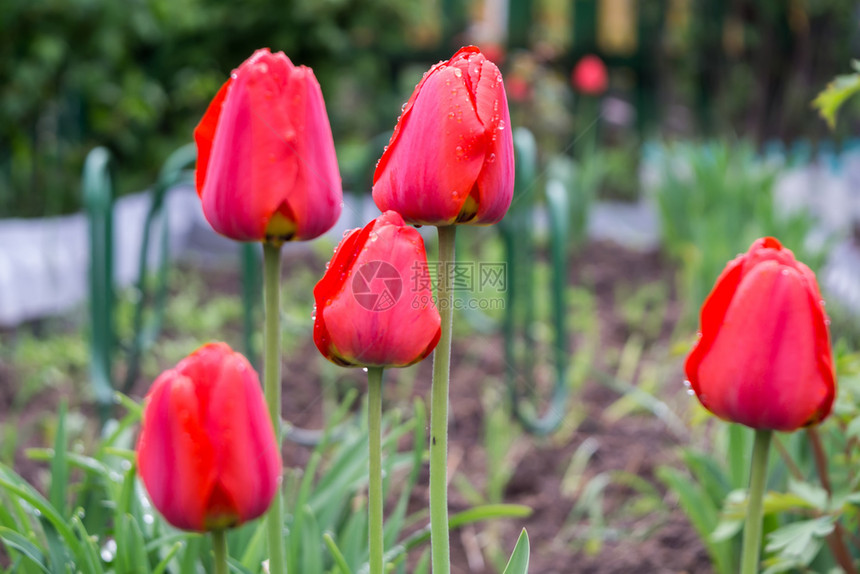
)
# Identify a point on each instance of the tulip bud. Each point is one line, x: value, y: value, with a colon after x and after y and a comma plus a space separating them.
x: 763, y: 358
x: 266, y: 165
x: 589, y: 76
x: 207, y: 451
x: 373, y: 305
x: 450, y: 159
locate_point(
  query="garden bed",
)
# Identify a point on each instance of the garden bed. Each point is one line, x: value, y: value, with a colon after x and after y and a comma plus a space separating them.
x: 625, y: 530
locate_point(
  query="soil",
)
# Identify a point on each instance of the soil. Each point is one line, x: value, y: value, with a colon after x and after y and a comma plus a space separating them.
x: 658, y: 540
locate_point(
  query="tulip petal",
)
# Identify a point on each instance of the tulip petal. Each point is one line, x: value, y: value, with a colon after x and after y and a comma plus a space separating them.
x: 238, y: 423
x: 204, y: 135
x: 315, y: 198
x: 194, y: 458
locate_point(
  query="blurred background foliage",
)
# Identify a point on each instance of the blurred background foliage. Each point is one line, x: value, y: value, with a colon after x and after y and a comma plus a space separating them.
x: 136, y: 76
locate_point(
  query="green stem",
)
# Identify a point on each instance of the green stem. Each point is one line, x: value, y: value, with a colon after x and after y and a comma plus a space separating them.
x: 272, y: 387
x: 439, y: 543
x: 374, y: 418
x: 219, y: 548
x: 752, y: 529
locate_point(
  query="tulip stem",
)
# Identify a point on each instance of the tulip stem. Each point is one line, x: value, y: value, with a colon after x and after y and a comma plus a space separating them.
x: 272, y: 387
x: 752, y: 529
x: 439, y: 543
x: 219, y: 548
x: 374, y: 423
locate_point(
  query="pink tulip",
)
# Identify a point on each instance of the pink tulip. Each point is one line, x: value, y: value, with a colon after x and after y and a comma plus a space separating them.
x: 207, y: 452
x: 374, y: 306
x: 266, y: 165
x: 450, y: 159
x: 763, y: 359
x: 589, y: 76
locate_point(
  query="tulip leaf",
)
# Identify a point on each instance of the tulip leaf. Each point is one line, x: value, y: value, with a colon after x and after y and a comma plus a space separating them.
x: 85, y: 463
x: 59, y: 466
x: 236, y: 566
x: 336, y: 554
x: 91, y: 552
x: 519, y: 561
x: 703, y: 515
x: 254, y: 550
x: 161, y: 567
x: 55, y: 525
x: 312, y: 554
x: 16, y: 541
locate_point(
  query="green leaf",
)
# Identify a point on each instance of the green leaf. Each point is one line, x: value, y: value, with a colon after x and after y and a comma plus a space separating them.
x: 799, y: 539
x: 702, y: 513
x: 18, y: 542
x: 161, y: 567
x: 816, y: 496
x: 336, y: 554
x: 519, y: 561
x: 836, y: 94
x: 312, y: 555
x: 60, y: 466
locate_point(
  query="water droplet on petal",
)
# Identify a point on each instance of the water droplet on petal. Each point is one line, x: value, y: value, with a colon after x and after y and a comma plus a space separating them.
x: 458, y: 72
x: 785, y: 272
x: 234, y: 75
x: 687, y: 384
x: 459, y: 151
x: 822, y: 303
x: 690, y: 392
x: 501, y: 124
x: 491, y: 158
x: 403, y: 107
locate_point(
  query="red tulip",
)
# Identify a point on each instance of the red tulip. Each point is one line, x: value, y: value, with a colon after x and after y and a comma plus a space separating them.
x: 374, y: 307
x: 266, y: 165
x: 589, y: 76
x: 763, y: 357
x: 450, y: 159
x: 207, y: 451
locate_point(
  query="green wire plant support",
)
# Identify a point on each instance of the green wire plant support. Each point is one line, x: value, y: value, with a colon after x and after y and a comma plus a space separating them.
x: 518, y: 235
x: 176, y: 170
x: 98, y: 202
x: 98, y: 197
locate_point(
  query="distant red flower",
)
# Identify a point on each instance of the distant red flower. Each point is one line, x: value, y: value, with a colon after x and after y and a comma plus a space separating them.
x: 374, y: 306
x: 590, y: 76
x: 266, y: 164
x: 763, y: 358
x: 450, y: 159
x: 207, y: 452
